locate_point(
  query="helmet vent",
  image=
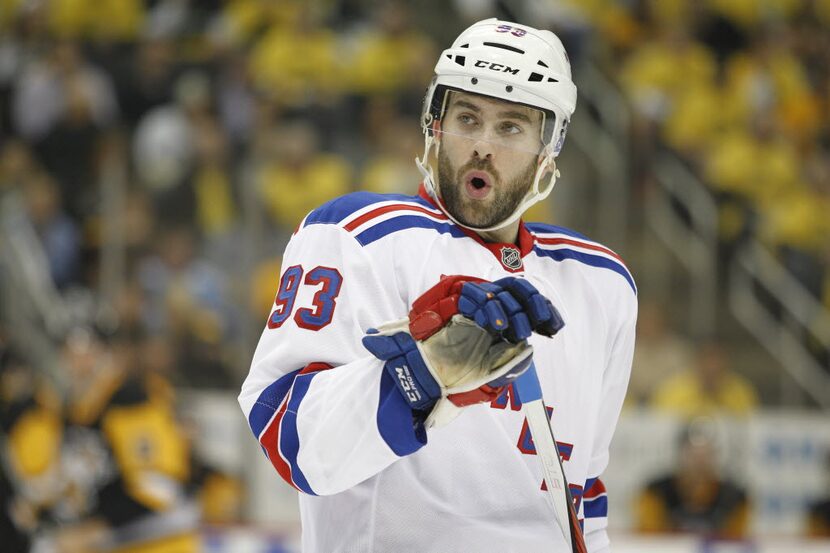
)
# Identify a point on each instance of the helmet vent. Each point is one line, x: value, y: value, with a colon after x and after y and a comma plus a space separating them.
x: 504, y: 47
x: 460, y: 60
x: 465, y: 45
x: 538, y: 78
x: 543, y: 64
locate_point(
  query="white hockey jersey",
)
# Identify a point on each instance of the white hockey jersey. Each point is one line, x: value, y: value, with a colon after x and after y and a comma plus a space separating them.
x: 334, y: 426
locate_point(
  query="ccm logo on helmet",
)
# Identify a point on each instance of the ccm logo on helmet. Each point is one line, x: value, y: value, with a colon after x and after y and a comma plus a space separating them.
x: 496, y: 67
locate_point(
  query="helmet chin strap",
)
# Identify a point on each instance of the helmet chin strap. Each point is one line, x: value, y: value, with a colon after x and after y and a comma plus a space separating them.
x: 425, y: 168
x: 533, y: 196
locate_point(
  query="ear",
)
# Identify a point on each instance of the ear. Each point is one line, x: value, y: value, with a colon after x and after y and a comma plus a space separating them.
x: 436, y: 130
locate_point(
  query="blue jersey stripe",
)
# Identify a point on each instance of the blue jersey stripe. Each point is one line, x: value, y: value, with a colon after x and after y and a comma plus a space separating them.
x: 394, y: 420
x: 544, y: 228
x: 589, y: 484
x: 595, y: 508
x: 288, y: 435
x: 268, y: 402
x: 263, y: 411
x: 334, y: 211
x: 404, y: 222
x: 588, y: 259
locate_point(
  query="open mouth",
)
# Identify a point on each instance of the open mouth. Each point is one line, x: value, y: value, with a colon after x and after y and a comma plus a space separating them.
x: 478, y: 184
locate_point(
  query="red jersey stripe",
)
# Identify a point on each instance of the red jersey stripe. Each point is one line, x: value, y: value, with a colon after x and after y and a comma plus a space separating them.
x: 270, y: 439
x: 315, y: 368
x: 386, y: 209
x: 596, y: 489
x: 571, y: 242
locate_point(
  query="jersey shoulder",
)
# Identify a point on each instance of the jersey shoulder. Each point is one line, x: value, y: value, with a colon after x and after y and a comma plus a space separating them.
x: 368, y: 216
x: 545, y: 228
x: 560, y: 243
x: 342, y: 209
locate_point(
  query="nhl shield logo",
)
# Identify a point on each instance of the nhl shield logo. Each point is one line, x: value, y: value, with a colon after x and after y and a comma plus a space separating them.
x: 510, y: 258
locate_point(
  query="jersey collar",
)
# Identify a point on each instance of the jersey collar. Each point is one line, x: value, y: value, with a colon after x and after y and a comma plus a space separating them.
x: 509, y: 255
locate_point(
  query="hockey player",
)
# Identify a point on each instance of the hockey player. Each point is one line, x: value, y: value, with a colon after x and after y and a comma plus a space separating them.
x: 380, y: 388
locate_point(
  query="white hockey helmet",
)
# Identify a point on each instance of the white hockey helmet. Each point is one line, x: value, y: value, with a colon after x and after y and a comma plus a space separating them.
x: 510, y: 62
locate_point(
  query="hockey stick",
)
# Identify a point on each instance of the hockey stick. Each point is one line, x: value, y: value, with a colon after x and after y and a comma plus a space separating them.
x: 529, y: 391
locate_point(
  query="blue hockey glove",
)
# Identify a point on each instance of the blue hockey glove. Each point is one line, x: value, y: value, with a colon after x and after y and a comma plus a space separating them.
x: 459, y: 365
x: 542, y: 315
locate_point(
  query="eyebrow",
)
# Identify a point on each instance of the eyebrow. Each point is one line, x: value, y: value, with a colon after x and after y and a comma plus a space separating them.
x: 515, y: 115
x: 512, y: 114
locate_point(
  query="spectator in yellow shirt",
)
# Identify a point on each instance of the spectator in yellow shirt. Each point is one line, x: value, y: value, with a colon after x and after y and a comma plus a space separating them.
x: 709, y: 387
x: 392, y: 56
x: 770, y: 81
x: 660, y: 352
x: 297, y: 62
x: 300, y: 177
x: 661, y: 69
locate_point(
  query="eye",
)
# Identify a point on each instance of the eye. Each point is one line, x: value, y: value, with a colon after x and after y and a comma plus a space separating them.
x: 467, y: 119
x: 509, y: 128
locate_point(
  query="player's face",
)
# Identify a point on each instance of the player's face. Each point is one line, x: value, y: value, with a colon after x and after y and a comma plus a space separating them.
x: 488, y: 157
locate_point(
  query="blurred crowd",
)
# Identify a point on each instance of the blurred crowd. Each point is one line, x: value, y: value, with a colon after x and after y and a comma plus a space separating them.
x: 103, y: 463
x: 207, y: 130
x: 740, y: 91
x: 181, y: 142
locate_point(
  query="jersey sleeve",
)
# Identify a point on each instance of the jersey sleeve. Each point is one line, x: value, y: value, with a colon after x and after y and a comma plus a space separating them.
x: 614, y: 384
x: 324, y: 411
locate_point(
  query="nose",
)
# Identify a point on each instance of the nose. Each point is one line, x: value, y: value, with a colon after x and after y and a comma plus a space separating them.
x: 483, y: 149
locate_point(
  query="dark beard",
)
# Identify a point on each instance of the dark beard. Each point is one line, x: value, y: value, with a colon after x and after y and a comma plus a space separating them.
x: 507, y: 198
